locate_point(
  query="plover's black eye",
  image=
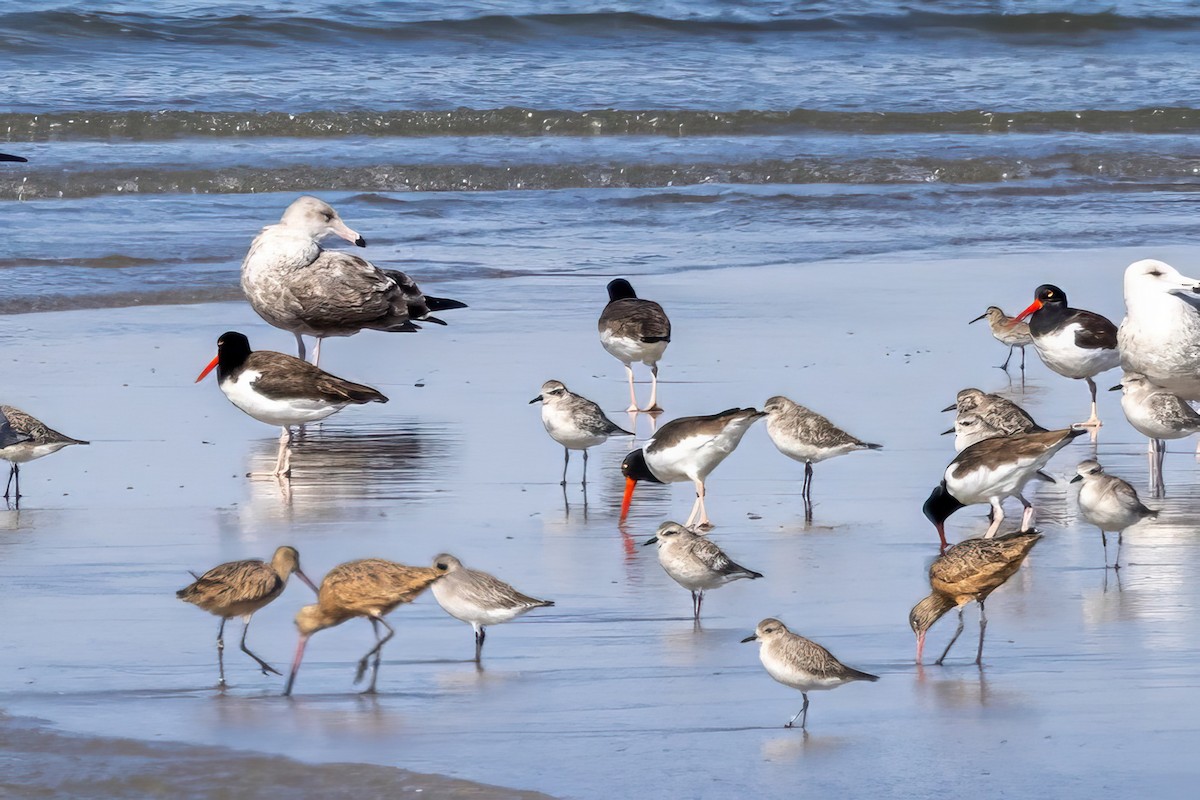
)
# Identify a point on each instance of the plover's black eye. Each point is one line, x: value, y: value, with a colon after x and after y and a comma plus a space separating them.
x: 442, y: 567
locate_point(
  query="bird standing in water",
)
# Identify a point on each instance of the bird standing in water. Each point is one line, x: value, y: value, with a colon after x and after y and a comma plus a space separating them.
x: 28, y: 439
x: 695, y: 562
x: 574, y: 422
x: 633, y: 329
x: 1109, y: 503
x: 1006, y: 330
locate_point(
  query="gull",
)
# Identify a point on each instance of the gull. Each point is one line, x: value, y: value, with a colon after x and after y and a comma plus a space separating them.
x: 1160, y: 335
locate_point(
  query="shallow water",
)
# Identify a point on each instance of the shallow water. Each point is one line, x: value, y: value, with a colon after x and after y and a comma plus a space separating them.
x: 1087, y: 683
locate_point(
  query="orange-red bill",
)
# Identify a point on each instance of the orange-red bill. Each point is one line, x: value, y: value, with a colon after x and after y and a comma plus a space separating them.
x: 629, y: 484
x: 211, y: 366
x: 1034, y: 306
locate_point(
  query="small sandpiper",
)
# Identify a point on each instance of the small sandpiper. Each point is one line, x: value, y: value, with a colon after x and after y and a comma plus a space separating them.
x: 1072, y: 342
x: 634, y: 329
x: 29, y: 439
x: 986, y: 416
x: 1109, y: 503
x: 804, y: 435
x: 1158, y: 415
x: 801, y: 664
x: 478, y: 598
x: 574, y: 422
x: 1006, y: 330
x: 695, y: 562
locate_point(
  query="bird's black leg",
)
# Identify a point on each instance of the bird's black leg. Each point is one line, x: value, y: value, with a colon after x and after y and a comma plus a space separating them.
x: 982, y: 629
x: 584, y: 468
x: 566, y: 460
x: 953, y: 639
x: 266, y: 668
x: 374, y: 651
x: 1004, y: 366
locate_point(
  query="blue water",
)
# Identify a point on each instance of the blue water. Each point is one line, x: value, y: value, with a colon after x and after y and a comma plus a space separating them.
x: 488, y: 138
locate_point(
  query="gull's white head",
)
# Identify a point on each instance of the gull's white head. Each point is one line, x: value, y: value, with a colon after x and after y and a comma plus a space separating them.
x: 1149, y: 277
x: 313, y: 217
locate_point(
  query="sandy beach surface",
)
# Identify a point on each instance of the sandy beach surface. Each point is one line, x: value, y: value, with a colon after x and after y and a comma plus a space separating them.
x: 1088, y: 683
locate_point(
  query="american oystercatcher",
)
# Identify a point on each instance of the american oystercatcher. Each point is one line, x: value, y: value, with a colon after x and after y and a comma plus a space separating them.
x: 970, y: 570
x: 27, y: 439
x: 804, y: 435
x: 1160, y: 335
x: 574, y: 422
x: 295, y: 284
x: 1006, y: 330
x: 1109, y: 503
x: 281, y: 390
x: 687, y: 449
x: 695, y: 562
x: 633, y: 329
x: 991, y: 470
x: 801, y: 664
x: 1074, y: 343
x: 7, y: 157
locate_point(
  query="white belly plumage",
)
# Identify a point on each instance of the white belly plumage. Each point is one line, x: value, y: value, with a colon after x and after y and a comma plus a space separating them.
x: 28, y: 451
x: 982, y: 484
x: 1145, y: 423
x: 566, y: 431
x: 1160, y: 338
x: 1060, y: 353
x: 630, y: 350
x: 282, y: 411
x: 789, y: 675
x: 454, y: 605
x: 1104, y: 509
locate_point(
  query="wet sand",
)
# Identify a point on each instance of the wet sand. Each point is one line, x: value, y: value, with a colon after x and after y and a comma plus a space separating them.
x: 1088, y: 686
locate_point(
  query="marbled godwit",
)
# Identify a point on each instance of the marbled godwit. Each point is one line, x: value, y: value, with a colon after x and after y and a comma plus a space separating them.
x: 805, y: 435
x: 695, y: 562
x: 30, y: 439
x: 1072, y: 342
x: 369, y: 588
x: 1160, y: 335
x: 688, y: 448
x: 987, y: 416
x: 1109, y: 503
x: 801, y: 664
x: 992, y: 470
x: 633, y: 329
x: 1157, y: 414
x: 574, y: 422
x: 478, y: 598
x: 240, y: 588
x: 280, y: 390
x: 970, y: 570
x: 295, y: 284
x: 1006, y: 330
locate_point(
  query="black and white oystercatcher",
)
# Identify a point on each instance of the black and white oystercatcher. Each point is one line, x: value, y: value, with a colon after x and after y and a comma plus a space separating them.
x: 1074, y: 343
x: 297, y: 285
x: 26, y: 439
x: 7, y: 157
x: 633, y: 329
x: 991, y: 470
x: 281, y: 390
x: 687, y: 449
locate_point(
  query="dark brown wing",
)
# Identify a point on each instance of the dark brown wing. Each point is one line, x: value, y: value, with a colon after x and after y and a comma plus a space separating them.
x: 1021, y: 447
x: 233, y: 584
x: 339, y: 290
x: 282, y: 376
x: 979, y: 566
x: 373, y: 585
x: 37, y: 431
x: 635, y: 318
x: 1095, y: 332
x: 419, y: 304
x: 677, y: 430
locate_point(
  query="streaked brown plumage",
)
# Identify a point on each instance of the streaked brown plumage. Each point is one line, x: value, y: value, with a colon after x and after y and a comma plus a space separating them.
x: 371, y: 588
x: 29, y: 438
x: 970, y: 570
x: 1007, y: 330
x: 240, y: 588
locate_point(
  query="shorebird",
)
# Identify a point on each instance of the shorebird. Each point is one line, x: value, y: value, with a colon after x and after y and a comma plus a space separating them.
x: 297, y: 285
x: 1006, y: 330
x: 801, y: 664
x: 281, y: 390
x: 695, y: 562
x: 805, y: 435
x: 687, y: 449
x: 369, y: 588
x: 987, y: 416
x: 970, y: 570
x: 1160, y: 335
x: 7, y: 157
x: 1109, y: 503
x: 240, y: 588
x: 1157, y: 414
x: 574, y: 422
x: 633, y: 329
x: 1072, y: 342
x: 991, y: 470
x: 478, y: 598
x: 29, y: 439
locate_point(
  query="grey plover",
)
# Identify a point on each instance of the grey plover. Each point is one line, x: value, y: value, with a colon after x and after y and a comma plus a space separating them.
x: 804, y: 435
x: 28, y: 439
x: 1072, y: 342
x: 687, y: 449
x: 970, y: 570
x: 1006, y: 330
x: 1157, y: 414
x: 1160, y: 335
x: 633, y: 329
x: 992, y: 470
x: 240, y: 588
x: 695, y: 562
x: 297, y: 285
x: 1109, y: 503
x: 574, y: 422
x: 801, y: 664
x: 478, y: 598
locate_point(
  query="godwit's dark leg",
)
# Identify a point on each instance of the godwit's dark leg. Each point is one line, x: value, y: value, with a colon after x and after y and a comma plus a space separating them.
x: 566, y: 460
x: 1004, y: 366
x: 982, y: 629
x: 374, y: 651
x: 585, y: 467
x: 221, y: 653
x: 301, y: 352
x: 953, y: 638
x: 266, y: 668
